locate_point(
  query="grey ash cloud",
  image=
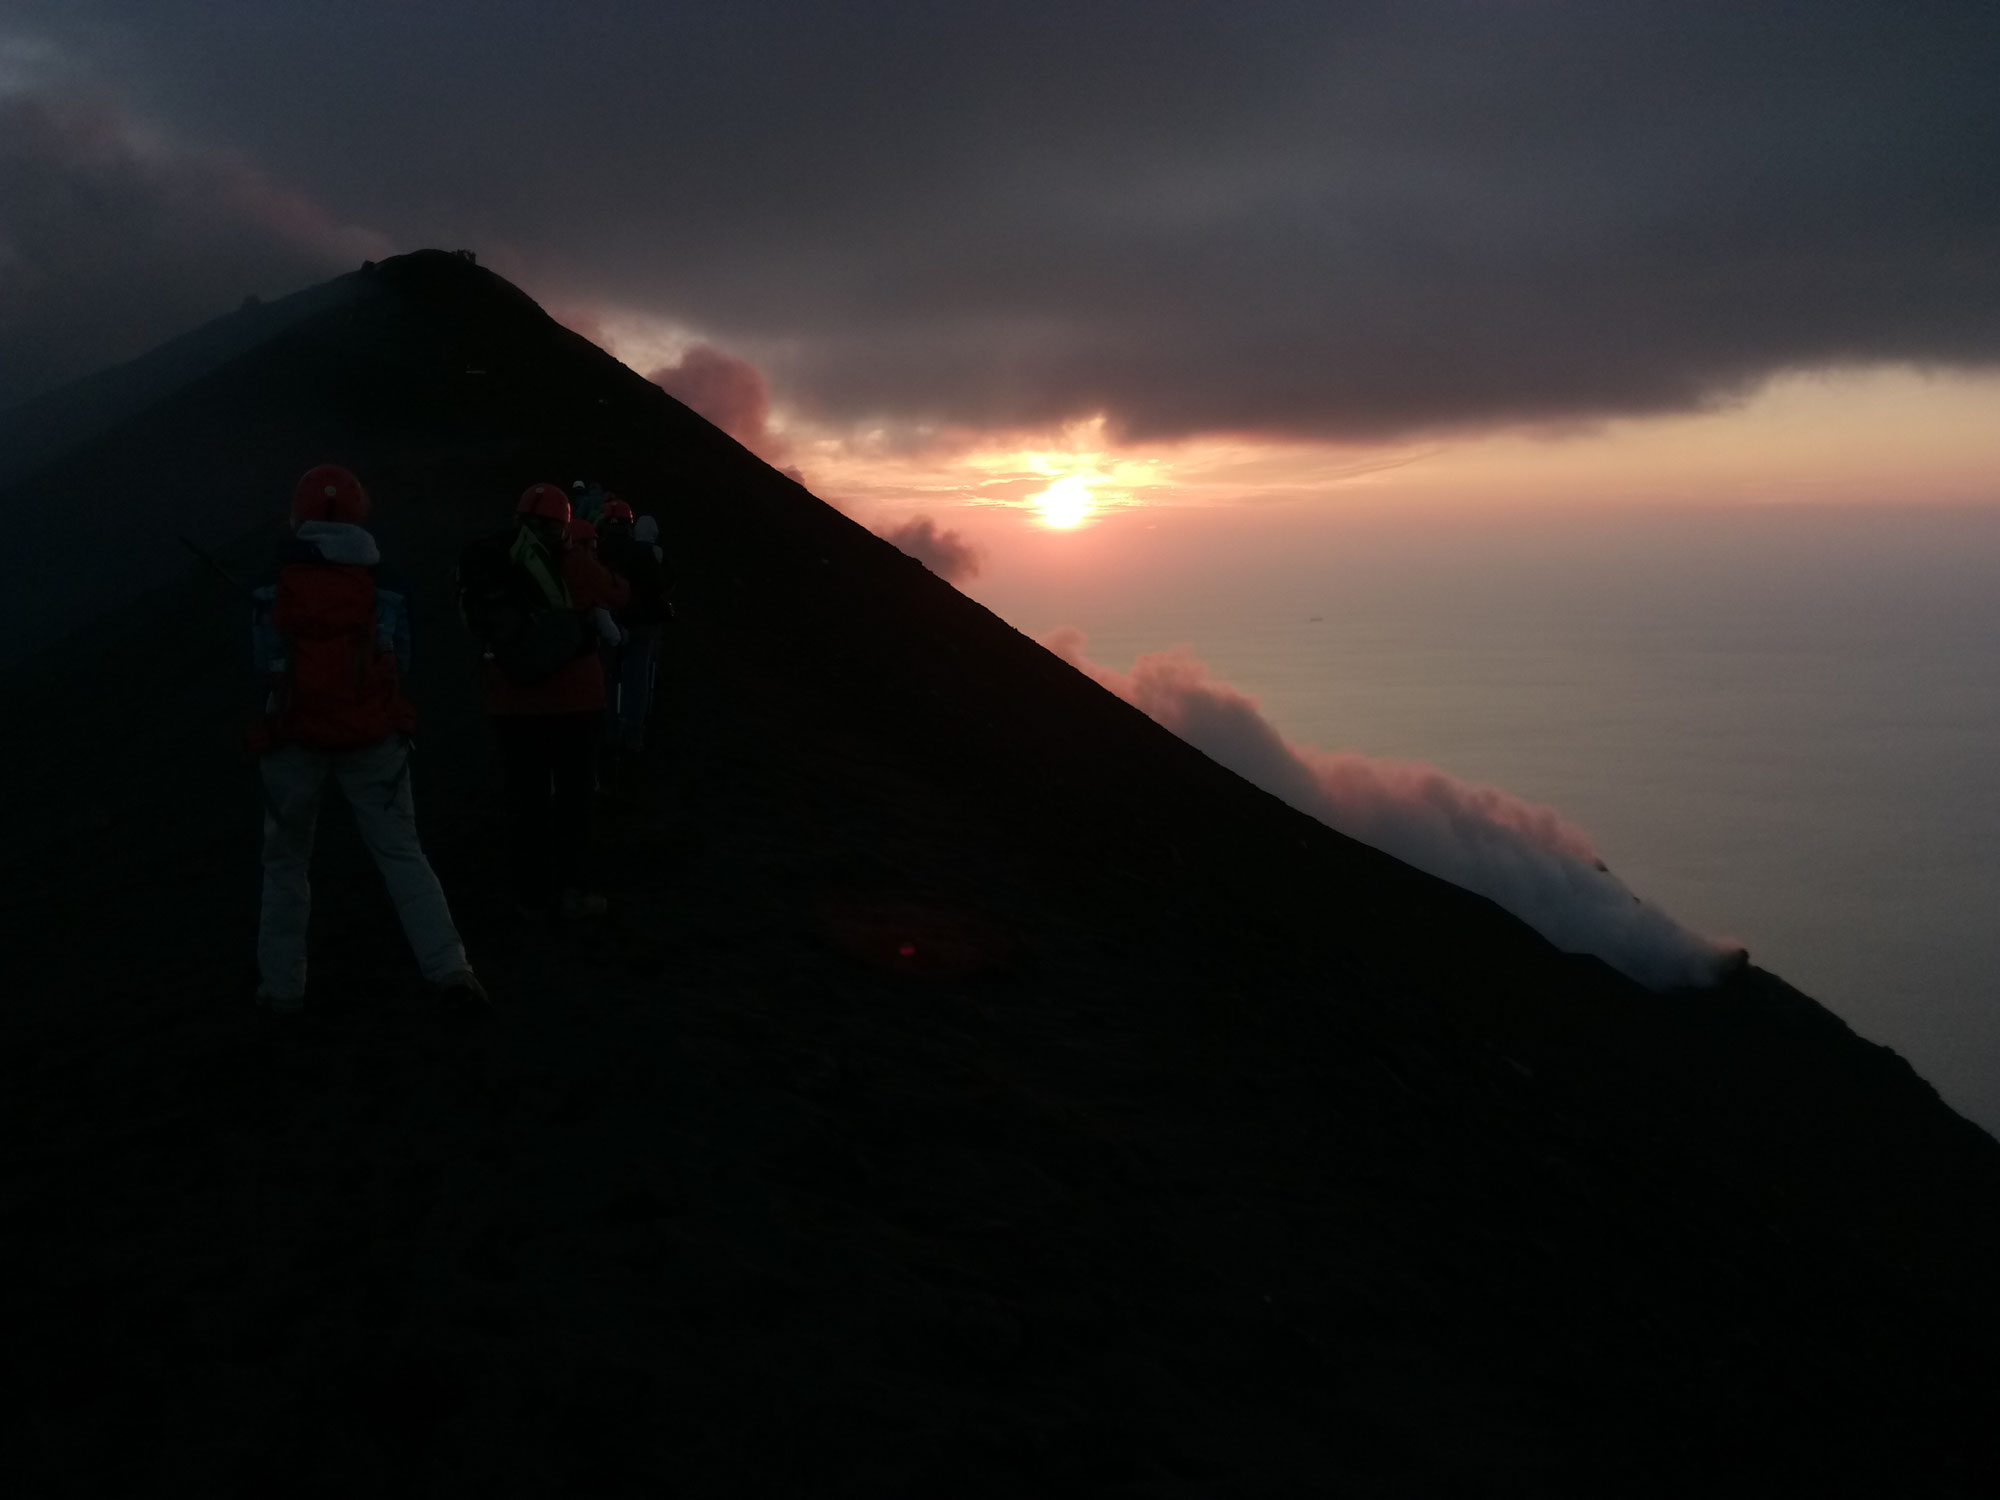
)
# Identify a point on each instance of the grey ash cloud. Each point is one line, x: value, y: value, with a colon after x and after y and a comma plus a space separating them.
x: 1359, y: 219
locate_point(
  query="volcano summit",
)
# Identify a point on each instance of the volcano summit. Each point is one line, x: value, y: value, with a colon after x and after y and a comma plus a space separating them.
x: 974, y: 1090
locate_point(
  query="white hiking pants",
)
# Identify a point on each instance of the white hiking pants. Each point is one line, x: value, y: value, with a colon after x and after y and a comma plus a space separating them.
x: 376, y: 782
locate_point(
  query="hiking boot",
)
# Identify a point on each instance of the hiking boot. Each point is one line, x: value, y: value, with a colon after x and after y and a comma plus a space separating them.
x: 576, y: 903
x: 463, y: 985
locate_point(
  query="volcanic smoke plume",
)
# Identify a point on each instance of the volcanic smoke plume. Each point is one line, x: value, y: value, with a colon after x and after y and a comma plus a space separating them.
x: 1525, y: 858
x: 730, y: 392
x: 945, y: 553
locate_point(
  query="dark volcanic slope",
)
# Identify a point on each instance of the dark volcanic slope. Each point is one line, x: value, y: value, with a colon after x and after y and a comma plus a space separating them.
x: 1193, y: 1151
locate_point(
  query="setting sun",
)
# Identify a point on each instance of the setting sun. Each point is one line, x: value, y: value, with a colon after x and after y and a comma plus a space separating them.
x: 1066, y: 502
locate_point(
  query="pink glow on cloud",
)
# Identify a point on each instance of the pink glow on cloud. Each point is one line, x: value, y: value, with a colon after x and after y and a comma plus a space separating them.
x: 1525, y: 858
x: 293, y: 215
x: 582, y: 320
x: 729, y: 391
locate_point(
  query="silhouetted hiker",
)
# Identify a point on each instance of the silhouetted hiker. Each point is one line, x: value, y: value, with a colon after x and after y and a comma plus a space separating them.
x: 539, y: 607
x: 645, y: 614
x: 586, y: 500
x: 578, y: 535
x: 329, y: 641
x: 577, y: 532
x: 646, y: 530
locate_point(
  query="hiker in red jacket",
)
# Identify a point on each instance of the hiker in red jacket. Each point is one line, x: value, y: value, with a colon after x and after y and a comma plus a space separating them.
x: 542, y: 613
x: 330, y: 641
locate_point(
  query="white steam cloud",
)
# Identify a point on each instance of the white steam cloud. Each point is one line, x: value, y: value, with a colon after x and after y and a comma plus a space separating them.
x: 1526, y: 859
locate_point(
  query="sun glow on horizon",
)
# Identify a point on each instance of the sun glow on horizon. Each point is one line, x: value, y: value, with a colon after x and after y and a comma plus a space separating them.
x: 1073, y: 478
x: 1066, y: 502
x: 1897, y: 435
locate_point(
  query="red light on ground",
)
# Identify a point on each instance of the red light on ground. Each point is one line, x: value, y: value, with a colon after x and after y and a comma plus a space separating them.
x: 912, y: 936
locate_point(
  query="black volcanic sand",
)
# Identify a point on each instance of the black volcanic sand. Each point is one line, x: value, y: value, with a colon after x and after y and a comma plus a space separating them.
x: 973, y: 1091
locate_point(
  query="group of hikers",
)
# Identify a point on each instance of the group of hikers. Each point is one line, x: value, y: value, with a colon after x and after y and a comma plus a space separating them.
x: 568, y: 604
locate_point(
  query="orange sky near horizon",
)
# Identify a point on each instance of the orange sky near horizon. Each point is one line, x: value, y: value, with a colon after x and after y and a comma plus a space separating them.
x: 1858, y: 436
x: 1889, y: 436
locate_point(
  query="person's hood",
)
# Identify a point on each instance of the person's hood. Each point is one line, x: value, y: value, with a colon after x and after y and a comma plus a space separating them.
x: 646, y: 529
x: 339, y: 542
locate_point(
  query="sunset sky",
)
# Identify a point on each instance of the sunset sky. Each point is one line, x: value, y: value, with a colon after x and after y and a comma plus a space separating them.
x: 1597, y: 400
x: 1029, y: 266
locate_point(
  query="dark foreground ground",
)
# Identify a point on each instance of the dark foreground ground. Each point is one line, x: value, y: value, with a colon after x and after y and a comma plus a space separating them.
x: 1098, y: 1192
x: 1191, y: 1150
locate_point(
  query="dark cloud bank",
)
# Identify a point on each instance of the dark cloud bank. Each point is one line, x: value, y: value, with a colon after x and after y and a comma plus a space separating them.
x: 1346, y: 219
x: 111, y: 243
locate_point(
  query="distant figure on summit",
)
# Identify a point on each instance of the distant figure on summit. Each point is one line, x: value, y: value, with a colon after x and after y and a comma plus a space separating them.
x: 541, y: 607
x: 330, y: 643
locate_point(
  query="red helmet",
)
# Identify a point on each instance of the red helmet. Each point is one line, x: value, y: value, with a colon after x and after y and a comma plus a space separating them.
x: 544, y: 500
x: 615, y: 509
x: 579, y: 531
x: 328, y: 493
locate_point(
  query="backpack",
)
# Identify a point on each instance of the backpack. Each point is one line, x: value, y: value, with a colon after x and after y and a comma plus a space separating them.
x: 512, y: 598
x: 340, y: 690
x: 637, y: 563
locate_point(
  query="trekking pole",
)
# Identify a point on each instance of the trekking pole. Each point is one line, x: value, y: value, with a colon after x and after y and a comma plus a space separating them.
x: 221, y: 572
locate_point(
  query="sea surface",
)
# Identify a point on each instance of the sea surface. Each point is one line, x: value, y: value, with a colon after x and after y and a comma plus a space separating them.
x: 1780, y: 724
